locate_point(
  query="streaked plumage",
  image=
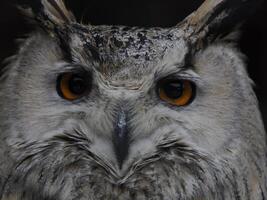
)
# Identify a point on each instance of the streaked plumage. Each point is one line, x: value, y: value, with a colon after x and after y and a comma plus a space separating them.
x: 120, y: 139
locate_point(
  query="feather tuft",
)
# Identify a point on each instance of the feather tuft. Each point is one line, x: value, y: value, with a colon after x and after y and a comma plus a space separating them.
x: 49, y: 13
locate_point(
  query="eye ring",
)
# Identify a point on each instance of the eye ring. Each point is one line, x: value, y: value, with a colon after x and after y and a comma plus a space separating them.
x: 177, y: 92
x: 72, y: 86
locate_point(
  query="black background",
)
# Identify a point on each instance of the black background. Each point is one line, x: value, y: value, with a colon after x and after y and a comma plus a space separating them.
x: 253, y: 42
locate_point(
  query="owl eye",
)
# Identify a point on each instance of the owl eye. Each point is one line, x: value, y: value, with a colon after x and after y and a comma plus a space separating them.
x: 72, y: 86
x: 177, y: 92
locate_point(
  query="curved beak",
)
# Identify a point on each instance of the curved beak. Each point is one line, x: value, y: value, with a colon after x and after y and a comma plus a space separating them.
x: 121, y: 137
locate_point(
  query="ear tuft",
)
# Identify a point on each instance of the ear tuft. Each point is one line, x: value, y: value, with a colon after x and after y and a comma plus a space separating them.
x: 216, y: 17
x: 49, y: 13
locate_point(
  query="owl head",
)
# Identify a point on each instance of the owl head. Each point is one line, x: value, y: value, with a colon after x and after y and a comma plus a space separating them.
x: 115, y: 112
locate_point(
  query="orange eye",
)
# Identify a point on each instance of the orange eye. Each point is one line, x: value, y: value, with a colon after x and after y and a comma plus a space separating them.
x: 177, y: 92
x: 72, y: 86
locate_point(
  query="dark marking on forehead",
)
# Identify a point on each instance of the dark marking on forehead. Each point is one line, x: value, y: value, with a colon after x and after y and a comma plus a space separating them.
x: 64, y: 42
x: 94, y: 51
x: 125, y: 42
x: 142, y: 37
x: 99, y: 40
x: 122, y: 50
x: 117, y: 42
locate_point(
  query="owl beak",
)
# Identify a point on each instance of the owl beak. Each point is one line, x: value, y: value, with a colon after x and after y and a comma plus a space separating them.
x: 121, y: 137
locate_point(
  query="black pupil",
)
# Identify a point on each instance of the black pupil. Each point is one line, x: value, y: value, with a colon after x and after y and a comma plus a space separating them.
x: 77, y: 85
x: 173, y: 90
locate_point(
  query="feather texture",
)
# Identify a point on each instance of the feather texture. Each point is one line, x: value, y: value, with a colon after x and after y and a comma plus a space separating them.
x: 120, y: 140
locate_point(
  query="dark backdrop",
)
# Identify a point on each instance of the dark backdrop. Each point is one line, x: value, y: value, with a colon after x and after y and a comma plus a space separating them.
x: 162, y: 13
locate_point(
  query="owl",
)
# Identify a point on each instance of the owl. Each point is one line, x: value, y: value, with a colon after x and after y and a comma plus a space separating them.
x: 127, y: 113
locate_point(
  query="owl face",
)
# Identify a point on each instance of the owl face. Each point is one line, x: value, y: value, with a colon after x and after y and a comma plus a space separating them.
x: 105, y: 83
x: 107, y: 112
